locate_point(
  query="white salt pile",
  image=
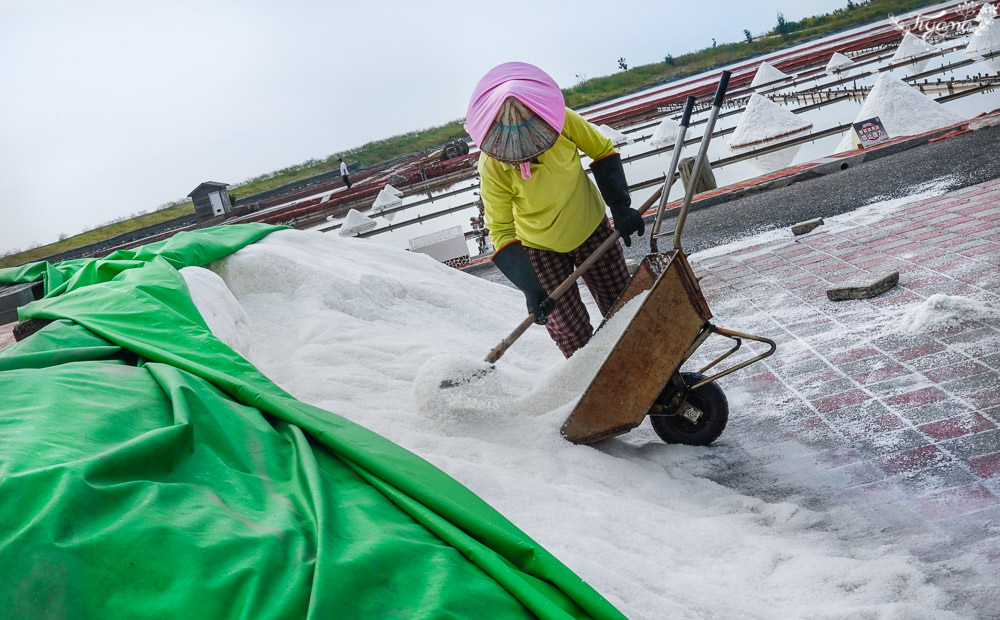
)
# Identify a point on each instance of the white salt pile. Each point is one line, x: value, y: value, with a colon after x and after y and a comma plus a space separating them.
x: 912, y: 46
x: 222, y: 313
x: 903, y: 110
x: 767, y: 74
x: 838, y: 62
x: 665, y: 133
x: 349, y: 325
x: 764, y: 121
x: 986, y: 39
x: 388, y: 198
x: 616, y: 137
x: 356, y: 222
x: 940, y: 311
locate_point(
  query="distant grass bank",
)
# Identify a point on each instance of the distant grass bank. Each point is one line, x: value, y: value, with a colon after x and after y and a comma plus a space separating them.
x: 587, y: 92
x: 96, y: 235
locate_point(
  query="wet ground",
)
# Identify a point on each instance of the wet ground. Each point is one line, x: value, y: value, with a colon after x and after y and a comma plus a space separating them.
x: 903, y: 423
x: 899, y: 430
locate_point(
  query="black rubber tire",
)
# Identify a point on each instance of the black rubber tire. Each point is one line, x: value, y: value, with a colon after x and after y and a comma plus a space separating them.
x: 709, y: 399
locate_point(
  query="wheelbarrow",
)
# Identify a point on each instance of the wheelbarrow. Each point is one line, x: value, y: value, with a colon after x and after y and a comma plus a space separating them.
x: 642, y: 375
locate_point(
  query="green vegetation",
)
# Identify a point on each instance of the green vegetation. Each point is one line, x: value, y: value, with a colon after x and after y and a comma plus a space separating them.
x: 107, y: 231
x: 363, y: 156
x: 784, y: 34
x: 587, y: 92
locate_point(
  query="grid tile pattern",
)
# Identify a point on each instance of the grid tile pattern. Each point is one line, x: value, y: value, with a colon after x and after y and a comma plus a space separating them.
x: 908, y: 418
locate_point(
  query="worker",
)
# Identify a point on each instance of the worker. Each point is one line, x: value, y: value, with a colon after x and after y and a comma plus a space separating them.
x: 544, y: 215
x: 344, y: 173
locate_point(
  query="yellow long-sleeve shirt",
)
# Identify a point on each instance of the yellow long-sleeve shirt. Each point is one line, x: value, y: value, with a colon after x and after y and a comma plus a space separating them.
x: 558, y: 207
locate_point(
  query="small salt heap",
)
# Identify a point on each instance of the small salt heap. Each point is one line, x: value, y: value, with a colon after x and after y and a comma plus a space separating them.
x: 768, y: 74
x: 388, y: 198
x: 986, y: 39
x: 912, y: 46
x: 665, y: 133
x: 616, y: 137
x: 355, y: 223
x: 765, y: 122
x: 838, y: 63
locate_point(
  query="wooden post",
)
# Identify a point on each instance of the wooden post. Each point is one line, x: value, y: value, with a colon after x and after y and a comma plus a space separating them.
x: 705, y: 180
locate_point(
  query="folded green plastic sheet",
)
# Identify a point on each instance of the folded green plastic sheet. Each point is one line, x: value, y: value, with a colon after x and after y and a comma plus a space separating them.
x: 149, y: 471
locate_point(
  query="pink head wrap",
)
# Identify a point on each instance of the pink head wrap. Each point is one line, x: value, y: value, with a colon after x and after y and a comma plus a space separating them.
x: 529, y: 85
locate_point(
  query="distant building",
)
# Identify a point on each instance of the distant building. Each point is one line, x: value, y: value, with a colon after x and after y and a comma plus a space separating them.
x: 210, y: 200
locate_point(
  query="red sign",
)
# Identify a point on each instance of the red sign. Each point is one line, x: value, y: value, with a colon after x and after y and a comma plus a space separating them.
x: 870, y: 132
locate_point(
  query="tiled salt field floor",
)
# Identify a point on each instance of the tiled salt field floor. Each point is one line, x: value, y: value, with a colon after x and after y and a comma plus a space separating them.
x: 899, y: 413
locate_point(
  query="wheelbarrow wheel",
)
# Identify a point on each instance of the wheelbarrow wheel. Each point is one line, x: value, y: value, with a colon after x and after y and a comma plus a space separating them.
x: 710, y: 407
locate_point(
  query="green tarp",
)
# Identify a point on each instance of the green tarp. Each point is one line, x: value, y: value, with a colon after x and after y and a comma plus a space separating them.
x: 149, y: 471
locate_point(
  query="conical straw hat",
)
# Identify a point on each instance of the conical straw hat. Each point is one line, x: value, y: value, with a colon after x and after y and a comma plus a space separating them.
x: 517, y: 134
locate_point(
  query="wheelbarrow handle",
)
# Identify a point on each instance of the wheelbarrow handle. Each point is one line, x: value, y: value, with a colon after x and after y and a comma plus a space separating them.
x: 668, y: 178
x: 560, y: 290
x: 699, y: 161
x: 720, y: 91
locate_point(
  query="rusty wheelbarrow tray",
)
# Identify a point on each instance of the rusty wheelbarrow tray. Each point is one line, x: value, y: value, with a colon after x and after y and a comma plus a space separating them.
x: 642, y: 374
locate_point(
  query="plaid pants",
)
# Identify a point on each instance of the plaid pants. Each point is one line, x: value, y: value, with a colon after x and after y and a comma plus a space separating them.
x: 569, y: 324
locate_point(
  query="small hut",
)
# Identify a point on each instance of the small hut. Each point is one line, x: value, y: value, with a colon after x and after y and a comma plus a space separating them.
x: 210, y: 200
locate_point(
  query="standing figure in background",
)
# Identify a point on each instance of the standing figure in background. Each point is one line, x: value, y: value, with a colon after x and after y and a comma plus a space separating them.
x: 544, y: 216
x: 344, y: 175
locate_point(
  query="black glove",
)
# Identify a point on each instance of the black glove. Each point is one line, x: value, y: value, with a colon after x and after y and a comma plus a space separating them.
x: 512, y: 261
x: 610, y: 178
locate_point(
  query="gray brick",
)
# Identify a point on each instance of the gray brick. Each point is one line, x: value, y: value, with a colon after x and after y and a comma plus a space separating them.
x: 935, y: 411
x: 973, y: 384
x: 942, y: 359
x: 935, y: 478
x: 970, y: 446
x: 890, y: 443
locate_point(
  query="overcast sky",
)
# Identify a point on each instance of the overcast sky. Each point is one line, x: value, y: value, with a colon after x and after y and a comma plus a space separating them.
x: 109, y: 108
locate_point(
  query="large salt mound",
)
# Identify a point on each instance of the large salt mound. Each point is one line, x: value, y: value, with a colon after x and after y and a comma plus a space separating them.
x: 838, y: 62
x: 766, y: 74
x: 986, y: 38
x: 903, y: 110
x: 764, y: 120
x: 910, y: 47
